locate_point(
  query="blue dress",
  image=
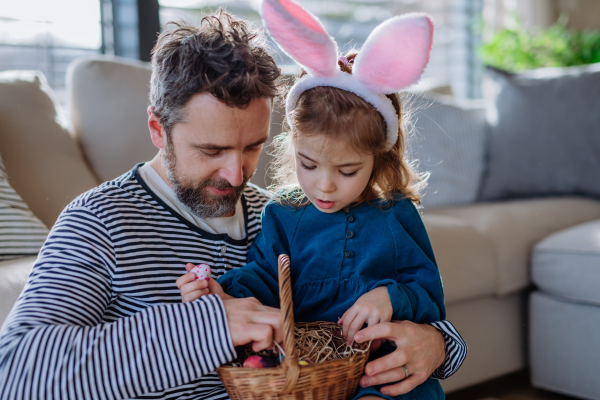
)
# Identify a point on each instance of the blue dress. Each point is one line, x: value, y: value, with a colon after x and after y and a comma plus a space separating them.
x: 336, y: 258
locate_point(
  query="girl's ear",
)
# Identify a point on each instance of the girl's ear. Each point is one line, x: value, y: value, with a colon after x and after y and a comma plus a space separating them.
x: 301, y: 35
x: 395, y: 54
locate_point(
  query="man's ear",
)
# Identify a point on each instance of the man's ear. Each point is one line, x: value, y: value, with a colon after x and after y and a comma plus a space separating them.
x: 157, y: 133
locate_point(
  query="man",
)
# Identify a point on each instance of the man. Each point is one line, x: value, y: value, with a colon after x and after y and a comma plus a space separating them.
x: 101, y: 316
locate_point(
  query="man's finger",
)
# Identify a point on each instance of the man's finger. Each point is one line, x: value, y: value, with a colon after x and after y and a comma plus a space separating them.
x: 386, y: 330
x: 405, y: 386
x: 389, y: 376
x: 386, y: 363
x: 261, y: 336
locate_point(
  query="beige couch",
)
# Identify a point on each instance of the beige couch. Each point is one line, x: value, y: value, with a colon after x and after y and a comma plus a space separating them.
x: 483, y: 250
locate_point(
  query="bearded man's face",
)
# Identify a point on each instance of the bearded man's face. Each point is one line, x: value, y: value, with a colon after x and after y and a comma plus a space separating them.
x: 210, y: 155
x: 196, y: 196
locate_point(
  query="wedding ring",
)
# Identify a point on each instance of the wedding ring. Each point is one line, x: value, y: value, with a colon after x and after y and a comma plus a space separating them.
x: 405, y: 371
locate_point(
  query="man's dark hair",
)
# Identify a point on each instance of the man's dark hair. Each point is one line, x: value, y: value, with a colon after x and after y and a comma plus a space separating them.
x: 224, y: 56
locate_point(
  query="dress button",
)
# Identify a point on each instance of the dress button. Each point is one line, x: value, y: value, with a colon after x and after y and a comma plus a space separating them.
x: 350, y: 218
x: 348, y: 253
x: 223, y: 249
x: 350, y: 234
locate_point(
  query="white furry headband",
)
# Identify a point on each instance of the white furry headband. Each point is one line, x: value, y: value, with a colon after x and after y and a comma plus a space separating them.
x: 392, y: 58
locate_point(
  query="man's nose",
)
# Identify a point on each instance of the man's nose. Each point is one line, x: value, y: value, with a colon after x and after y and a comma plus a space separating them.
x: 233, y: 170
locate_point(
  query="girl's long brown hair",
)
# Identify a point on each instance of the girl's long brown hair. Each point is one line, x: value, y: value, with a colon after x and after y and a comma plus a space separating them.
x: 344, y: 116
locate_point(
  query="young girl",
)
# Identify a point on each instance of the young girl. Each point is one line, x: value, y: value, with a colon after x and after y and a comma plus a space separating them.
x: 344, y: 210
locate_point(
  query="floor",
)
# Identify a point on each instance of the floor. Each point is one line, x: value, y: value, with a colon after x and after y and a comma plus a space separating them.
x: 510, y: 387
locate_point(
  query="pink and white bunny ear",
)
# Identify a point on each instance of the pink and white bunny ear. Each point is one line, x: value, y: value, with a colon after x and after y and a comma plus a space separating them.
x: 301, y: 35
x: 395, y: 54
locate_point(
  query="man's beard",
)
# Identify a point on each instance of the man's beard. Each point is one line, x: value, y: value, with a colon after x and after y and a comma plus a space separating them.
x: 197, y: 197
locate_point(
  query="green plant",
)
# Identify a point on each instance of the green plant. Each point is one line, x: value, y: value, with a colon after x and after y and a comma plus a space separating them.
x: 516, y: 50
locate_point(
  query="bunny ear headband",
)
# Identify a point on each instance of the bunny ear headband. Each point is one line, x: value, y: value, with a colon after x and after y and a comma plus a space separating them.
x: 392, y: 58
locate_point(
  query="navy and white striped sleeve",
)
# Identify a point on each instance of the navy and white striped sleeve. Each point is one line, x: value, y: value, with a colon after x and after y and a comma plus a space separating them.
x: 55, y: 344
x: 456, y: 350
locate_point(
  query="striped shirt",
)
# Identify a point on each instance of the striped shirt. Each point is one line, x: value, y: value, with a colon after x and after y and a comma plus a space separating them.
x: 100, y: 316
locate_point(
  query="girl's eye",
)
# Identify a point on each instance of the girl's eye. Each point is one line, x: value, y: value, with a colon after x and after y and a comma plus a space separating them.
x: 349, y: 175
x: 307, y: 167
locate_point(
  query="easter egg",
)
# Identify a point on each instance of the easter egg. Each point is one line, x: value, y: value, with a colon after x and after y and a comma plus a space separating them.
x: 259, y: 362
x: 202, y: 271
x: 303, y: 363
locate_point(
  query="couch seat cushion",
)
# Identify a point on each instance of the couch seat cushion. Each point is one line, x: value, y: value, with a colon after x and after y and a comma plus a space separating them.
x: 464, y: 257
x: 514, y: 227
x: 567, y: 264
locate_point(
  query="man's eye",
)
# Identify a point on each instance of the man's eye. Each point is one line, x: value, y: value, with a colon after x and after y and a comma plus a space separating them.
x: 254, y: 149
x: 307, y: 167
x: 211, y: 153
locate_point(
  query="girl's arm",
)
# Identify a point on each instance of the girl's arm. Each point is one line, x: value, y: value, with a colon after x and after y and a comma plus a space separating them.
x: 416, y: 291
x: 259, y: 277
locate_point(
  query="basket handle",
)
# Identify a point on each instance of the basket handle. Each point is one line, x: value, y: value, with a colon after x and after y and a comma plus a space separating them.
x: 290, y: 362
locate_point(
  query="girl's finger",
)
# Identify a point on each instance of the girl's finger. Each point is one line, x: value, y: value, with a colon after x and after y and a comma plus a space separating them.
x: 184, y: 279
x: 196, y: 294
x: 341, y: 320
x: 189, y: 266
x: 355, y: 326
x: 373, y: 320
x: 350, y: 315
x: 193, y: 285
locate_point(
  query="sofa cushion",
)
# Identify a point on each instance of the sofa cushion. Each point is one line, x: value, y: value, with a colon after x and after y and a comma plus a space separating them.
x: 13, y: 275
x: 513, y: 228
x: 449, y: 142
x: 108, y: 102
x: 21, y: 232
x: 464, y: 257
x: 43, y: 162
x: 567, y: 264
x: 545, y: 134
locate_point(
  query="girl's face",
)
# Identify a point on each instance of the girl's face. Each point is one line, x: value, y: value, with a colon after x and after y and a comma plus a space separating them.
x: 331, y: 174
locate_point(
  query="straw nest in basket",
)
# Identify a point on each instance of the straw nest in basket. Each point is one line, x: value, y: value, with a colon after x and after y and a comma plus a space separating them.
x: 333, y: 371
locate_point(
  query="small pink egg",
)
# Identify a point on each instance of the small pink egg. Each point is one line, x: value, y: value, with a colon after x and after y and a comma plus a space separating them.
x: 258, y: 362
x: 202, y: 271
x: 253, y: 362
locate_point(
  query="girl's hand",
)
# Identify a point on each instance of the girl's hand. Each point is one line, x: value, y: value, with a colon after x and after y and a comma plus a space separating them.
x: 372, y: 307
x: 192, y: 289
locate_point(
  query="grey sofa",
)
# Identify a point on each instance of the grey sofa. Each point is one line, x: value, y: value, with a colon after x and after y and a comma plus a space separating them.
x: 483, y: 249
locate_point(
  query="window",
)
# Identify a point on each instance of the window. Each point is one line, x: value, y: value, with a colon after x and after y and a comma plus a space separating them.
x: 47, y: 35
x: 453, y: 58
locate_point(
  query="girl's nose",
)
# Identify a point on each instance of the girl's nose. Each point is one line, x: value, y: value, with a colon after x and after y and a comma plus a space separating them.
x: 325, y: 184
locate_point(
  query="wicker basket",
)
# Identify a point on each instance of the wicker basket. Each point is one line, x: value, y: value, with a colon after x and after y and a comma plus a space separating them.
x: 334, y: 379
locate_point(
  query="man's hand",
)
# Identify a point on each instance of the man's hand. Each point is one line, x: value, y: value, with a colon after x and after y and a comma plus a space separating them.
x: 192, y: 289
x: 251, y: 322
x: 372, y: 307
x: 418, y: 347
